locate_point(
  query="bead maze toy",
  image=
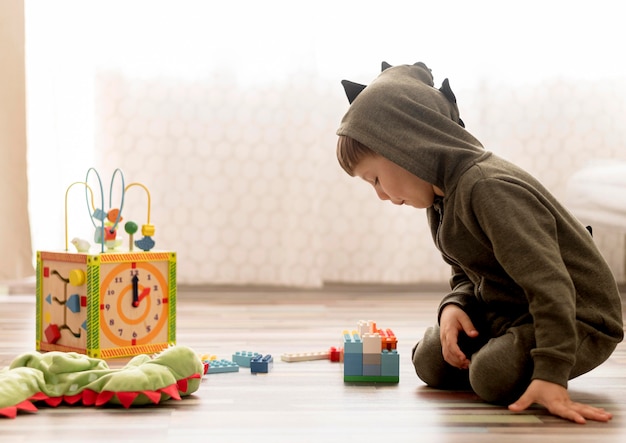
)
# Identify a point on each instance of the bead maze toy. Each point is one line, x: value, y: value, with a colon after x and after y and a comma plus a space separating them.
x: 111, y: 302
x: 370, y: 355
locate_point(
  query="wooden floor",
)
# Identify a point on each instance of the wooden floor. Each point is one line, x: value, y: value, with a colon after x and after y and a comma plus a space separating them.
x: 305, y: 401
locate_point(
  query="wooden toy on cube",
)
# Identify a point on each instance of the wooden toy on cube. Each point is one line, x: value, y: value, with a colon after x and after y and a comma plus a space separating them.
x: 108, y: 303
x: 370, y: 355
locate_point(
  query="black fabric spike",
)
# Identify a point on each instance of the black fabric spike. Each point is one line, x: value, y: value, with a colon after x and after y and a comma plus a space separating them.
x: 352, y: 89
x: 385, y: 65
x: 447, y: 91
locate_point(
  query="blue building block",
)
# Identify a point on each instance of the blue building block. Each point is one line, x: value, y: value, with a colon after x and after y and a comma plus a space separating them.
x: 372, y: 359
x: 390, y: 363
x: 352, y: 343
x: 371, y: 370
x: 261, y: 364
x: 243, y: 358
x: 220, y: 366
x: 352, y: 364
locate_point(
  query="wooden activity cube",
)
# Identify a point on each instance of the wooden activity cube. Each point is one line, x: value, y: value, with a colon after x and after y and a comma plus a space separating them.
x: 112, y: 304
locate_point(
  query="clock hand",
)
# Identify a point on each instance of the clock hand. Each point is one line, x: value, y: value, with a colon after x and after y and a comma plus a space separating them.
x: 135, y: 281
x: 144, y: 294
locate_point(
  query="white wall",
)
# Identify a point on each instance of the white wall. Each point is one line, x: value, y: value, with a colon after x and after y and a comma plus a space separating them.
x: 228, y: 114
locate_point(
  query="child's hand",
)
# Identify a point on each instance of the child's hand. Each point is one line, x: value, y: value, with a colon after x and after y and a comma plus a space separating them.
x: 453, y: 321
x: 556, y: 399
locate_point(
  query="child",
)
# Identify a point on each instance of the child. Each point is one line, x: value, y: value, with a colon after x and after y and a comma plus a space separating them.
x: 532, y: 302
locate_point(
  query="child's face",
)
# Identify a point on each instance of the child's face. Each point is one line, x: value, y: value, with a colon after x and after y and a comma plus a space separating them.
x: 394, y: 183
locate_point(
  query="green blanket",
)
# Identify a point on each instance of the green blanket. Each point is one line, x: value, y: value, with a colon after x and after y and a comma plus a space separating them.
x: 69, y: 377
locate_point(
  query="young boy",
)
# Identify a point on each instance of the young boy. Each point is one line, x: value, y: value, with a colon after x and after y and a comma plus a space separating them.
x: 532, y: 302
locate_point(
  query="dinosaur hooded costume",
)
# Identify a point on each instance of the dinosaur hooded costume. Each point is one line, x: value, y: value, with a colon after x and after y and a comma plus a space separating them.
x: 523, y: 268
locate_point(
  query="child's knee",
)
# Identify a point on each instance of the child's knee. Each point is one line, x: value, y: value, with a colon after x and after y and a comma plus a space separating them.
x: 425, y: 355
x: 498, y: 375
x: 430, y: 366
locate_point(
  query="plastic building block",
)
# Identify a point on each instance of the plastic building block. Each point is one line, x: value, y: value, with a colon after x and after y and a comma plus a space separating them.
x: 306, y: 356
x: 369, y: 370
x: 371, y: 379
x: 333, y: 354
x: 390, y: 363
x: 336, y: 354
x: 243, y: 358
x: 371, y: 343
x: 353, y: 354
x: 221, y: 366
x: 260, y: 364
x: 389, y: 340
x: 370, y: 355
x: 352, y: 343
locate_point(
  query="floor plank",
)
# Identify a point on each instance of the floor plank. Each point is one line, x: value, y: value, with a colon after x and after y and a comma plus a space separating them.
x: 304, y: 401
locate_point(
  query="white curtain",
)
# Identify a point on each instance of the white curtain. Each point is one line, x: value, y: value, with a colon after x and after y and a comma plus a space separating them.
x: 15, y: 261
x: 227, y: 111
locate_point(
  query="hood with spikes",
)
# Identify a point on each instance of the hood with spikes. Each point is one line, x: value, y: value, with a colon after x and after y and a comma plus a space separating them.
x: 403, y: 117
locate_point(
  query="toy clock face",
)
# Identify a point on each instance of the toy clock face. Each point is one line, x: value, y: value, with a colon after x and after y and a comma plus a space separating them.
x: 134, y: 303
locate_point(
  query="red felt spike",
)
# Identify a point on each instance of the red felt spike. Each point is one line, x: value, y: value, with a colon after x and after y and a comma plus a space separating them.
x: 182, y: 385
x: 172, y: 391
x: 127, y: 398
x: 38, y: 396
x: 104, y: 397
x: 89, y: 397
x: 26, y: 406
x: 71, y: 399
x: 53, y: 401
x: 155, y: 397
x: 196, y: 376
x: 9, y: 411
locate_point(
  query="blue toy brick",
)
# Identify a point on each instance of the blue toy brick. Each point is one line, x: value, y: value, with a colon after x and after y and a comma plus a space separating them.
x: 390, y: 363
x: 372, y: 359
x: 352, y: 344
x: 243, y: 358
x: 220, y: 366
x: 371, y: 370
x: 353, y: 364
x: 261, y: 364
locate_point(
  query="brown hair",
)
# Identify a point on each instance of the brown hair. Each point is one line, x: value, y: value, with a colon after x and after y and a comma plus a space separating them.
x: 350, y: 152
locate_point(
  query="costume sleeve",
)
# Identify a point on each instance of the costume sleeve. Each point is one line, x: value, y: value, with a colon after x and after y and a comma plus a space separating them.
x: 462, y: 292
x: 521, y: 225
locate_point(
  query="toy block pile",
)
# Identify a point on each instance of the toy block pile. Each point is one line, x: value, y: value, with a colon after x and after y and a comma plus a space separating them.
x: 253, y: 360
x: 370, y: 355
